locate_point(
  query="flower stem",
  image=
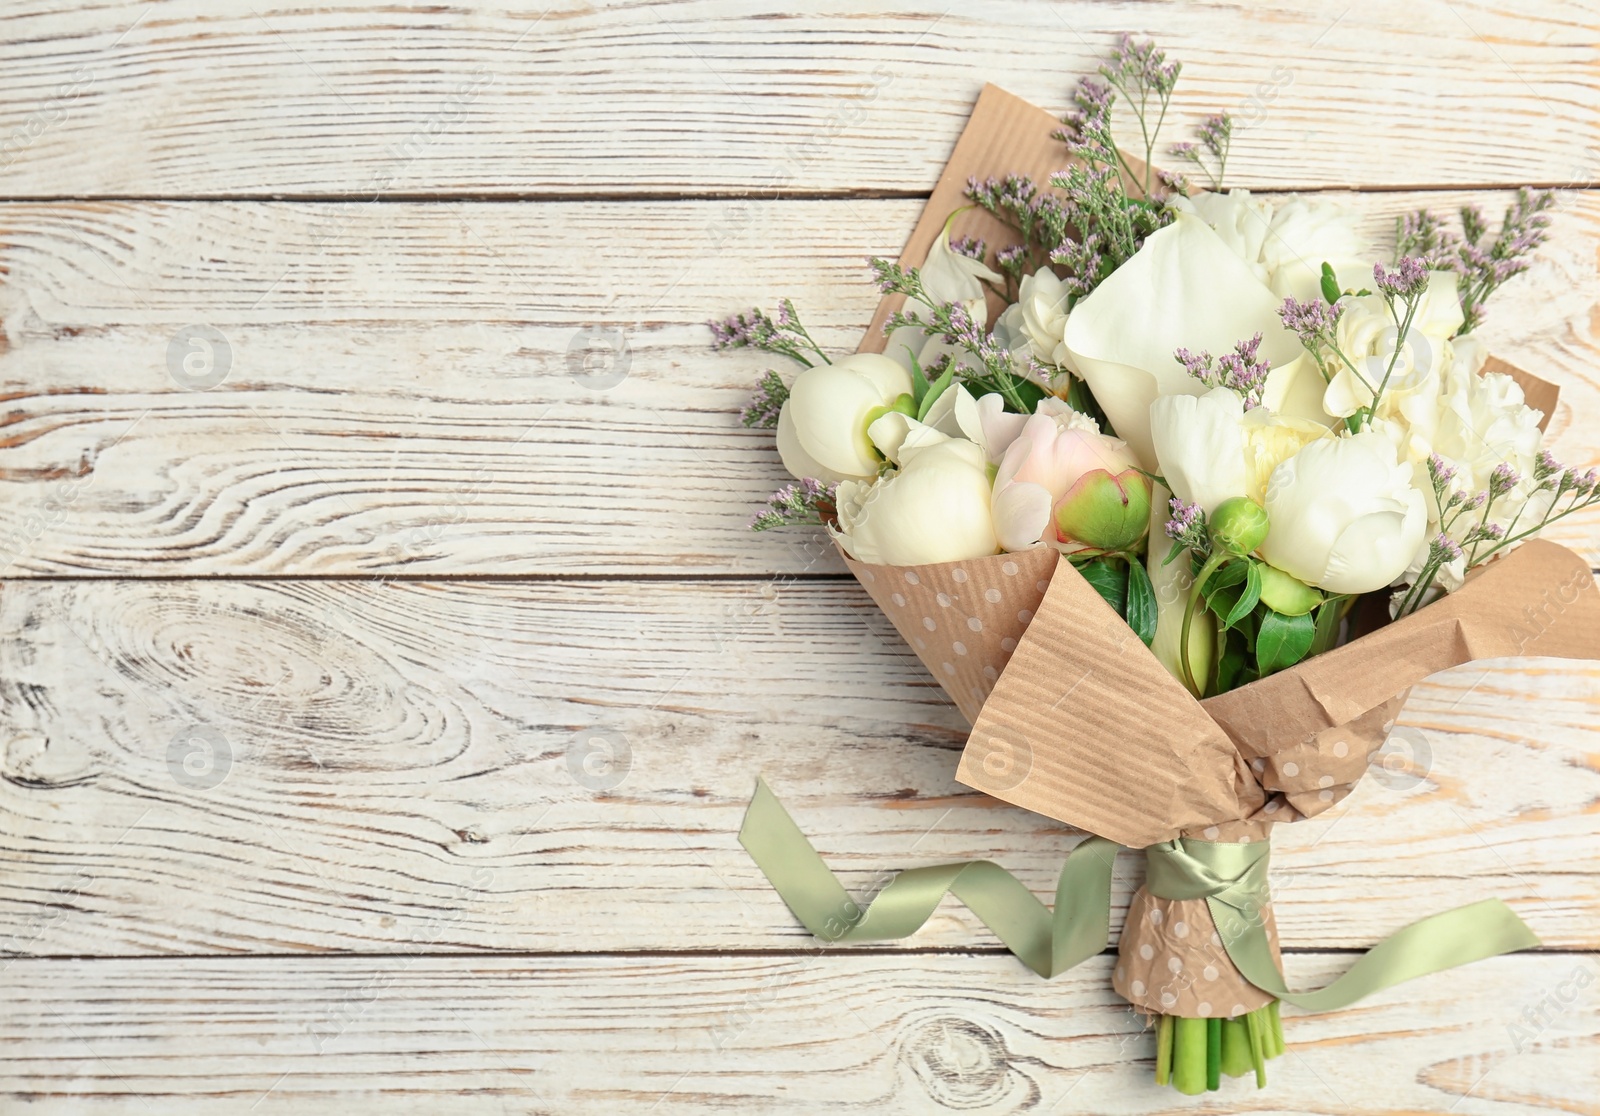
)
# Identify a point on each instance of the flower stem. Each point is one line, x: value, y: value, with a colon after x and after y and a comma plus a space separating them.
x: 1236, y: 1060
x: 1193, y: 1055
x: 1188, y: 617
x: 1213, y: 1054
x: 1189, y: 1056
x: 1164, y: 1050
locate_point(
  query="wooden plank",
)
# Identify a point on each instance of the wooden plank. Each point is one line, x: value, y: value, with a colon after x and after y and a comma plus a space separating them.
x: 225, y: 766
x: 357, y: 99
x: 405, y: 389
x: 811, y: 1032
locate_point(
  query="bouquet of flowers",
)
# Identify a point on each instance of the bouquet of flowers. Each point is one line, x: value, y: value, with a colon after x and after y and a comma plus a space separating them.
x: 1176, y: 492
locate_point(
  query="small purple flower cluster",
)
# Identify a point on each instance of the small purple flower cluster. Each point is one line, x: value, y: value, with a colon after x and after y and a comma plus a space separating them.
x: 1087, y: 127
x: 765, y: 402
x: 1440, y: 471
x: 1407, y: 281
x: 1482, y: 261
x: 1216, y: 132
x: 1216, y: 135
x: 1503, y: 480
x: 1141, y: 65
x: 1240, y: 371
x: 794, y: 504
x: 752, y: 330
x: 1313, y: 321
x: 784, y: 336
x: 1443, y: 549
x: 1186, y: 525
x: 971, y: 247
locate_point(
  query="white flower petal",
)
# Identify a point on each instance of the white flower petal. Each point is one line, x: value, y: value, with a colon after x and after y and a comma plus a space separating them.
x: 1184, y: 288
x: 1021, y: 515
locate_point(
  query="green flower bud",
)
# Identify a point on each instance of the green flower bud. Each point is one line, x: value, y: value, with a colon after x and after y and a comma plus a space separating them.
x: 1283, y: 593
x: 1105, y: 512
x: 1238, y: 525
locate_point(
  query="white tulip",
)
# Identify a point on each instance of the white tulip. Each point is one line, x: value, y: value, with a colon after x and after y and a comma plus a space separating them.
x: 822, y: 427
x: 1184, y: 288
x: 935, y: 508
x: 1344, y: 514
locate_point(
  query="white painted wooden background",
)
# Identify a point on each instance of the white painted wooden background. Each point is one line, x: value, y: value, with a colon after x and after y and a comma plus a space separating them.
x: 400, y: 571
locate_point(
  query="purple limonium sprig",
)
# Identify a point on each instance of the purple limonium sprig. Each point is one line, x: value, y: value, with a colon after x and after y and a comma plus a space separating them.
x: 766, y: 402
x: 783, y: 335
x: 992, y: 369
x: 795, y: 504
x: 1038, y: 217
x: 1312, y: 321
x: 971, y: 247
x: 1210, y: 155
x: 1483, y: 261
x: 1407, y: 281
x: 1241, y: 371
x: 1503, y: 480
x: 1186, y: 527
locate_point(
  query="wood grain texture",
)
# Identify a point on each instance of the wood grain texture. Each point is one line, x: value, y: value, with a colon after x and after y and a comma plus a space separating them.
x: 191, y: 98
x: 825, y: 1031
x: 401, y: 396
x: 217, y: 767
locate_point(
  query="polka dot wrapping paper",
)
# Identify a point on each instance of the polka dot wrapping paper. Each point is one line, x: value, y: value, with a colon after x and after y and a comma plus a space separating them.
x: 962, y: 618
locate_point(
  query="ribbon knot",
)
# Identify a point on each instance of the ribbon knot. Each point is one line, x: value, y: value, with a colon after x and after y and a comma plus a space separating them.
x: 1232, y: 879
x: 1188, y: 869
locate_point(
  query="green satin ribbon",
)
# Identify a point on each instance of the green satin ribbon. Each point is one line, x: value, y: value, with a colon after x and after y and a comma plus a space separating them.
x: 1048, y: 944
x: 1231, y: 878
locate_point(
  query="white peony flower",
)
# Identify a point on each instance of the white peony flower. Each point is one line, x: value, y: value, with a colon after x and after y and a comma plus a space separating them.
x: 822, y: 427
x: 1367, y: 334
x: 1285, y: 246
x: 1037, y: 320
x: 1210, y: 449
x: 1345, y: 516
x: 934, y: 508
x: 1305, y: 234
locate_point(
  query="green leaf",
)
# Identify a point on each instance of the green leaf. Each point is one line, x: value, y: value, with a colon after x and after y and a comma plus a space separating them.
x: 1141, y: 602
x: 1282, y: 640
x: 919, y: 382
x: 1232, y: 658
x: 937, y: 389
x: 1327, y: 624
x: 1248, y: 597
x: 1177, y: 549
x: 1110, y: 579
x: 1226, y: 576
x: 1330, y: 283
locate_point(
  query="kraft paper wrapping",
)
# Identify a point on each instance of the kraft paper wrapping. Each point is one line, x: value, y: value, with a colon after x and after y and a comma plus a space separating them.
x: 1073, y: 718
